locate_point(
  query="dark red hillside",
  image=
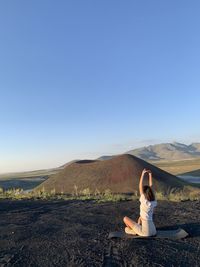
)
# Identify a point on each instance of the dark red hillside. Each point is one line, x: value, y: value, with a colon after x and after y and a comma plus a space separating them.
x: 119, y: 174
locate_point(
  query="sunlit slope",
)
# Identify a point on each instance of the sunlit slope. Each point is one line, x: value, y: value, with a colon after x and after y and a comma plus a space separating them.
x: 180, y: 167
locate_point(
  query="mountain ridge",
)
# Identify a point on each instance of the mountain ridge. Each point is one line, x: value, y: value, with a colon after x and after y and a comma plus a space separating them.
x: 168, y: 151
x: 164, y: 152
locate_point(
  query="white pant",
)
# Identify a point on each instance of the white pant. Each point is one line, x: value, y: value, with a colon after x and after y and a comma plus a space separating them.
x: 146, y: 229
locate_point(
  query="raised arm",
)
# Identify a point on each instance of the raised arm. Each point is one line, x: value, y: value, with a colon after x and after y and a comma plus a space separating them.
x: 141, y: 181
x: 150, y: 179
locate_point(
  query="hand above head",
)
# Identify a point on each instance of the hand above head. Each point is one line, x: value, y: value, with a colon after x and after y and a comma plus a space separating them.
x: 144, y: 171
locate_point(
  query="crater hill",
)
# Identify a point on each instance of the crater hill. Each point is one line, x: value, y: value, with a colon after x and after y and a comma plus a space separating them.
x: 120, y: 174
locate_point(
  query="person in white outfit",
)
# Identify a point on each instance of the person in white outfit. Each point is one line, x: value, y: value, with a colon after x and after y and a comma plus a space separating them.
x: 145, y: 225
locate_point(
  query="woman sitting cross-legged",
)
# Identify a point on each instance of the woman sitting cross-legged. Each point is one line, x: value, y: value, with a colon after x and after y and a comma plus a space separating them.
x: 145, y: 225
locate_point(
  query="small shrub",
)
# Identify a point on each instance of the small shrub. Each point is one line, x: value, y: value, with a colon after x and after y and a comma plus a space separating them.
x: 134, y: 197
x: 53, y: 192
x: 86, y: 192
x: 107, y: 193
x: 160, y: 196
x: 97, y: 192
x: 76, y: 190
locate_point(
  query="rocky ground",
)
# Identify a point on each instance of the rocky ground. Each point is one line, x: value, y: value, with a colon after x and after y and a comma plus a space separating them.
x: 74, y: 233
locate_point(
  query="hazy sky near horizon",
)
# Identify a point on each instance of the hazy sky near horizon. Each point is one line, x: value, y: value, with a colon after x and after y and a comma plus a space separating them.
x: 80, y: 79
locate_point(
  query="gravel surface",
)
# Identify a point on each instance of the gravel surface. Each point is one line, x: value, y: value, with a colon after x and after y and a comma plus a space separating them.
x: 74, y: 233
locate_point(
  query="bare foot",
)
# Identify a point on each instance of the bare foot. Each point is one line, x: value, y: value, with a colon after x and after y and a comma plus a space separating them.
x: 129, y: 231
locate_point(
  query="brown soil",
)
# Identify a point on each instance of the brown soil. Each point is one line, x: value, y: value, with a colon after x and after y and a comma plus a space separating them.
x: 74, y: 233
x: 119, y: 174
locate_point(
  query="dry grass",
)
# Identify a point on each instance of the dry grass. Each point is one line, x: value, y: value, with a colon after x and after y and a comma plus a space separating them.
x: 186, y: 194
x: 87, y: 194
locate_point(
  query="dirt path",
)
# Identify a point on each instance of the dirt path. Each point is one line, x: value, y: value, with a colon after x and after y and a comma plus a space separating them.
x: 74, y: 233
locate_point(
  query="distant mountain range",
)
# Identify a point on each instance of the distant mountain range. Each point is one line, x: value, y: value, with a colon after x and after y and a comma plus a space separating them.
x: 164, y: 152
x: 153, y: 153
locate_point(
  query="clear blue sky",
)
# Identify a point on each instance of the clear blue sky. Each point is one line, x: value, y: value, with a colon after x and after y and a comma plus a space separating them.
x: 79, y: 79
